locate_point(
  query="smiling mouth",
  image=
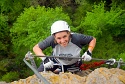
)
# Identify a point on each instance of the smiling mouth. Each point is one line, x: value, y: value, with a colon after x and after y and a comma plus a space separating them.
x: 64, y: 44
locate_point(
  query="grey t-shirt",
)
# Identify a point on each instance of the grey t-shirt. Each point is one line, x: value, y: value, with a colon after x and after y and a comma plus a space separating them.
x: 73, y: 48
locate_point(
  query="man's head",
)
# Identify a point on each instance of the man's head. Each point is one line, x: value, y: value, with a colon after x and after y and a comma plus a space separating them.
x: 61, y: 31
x: 59, y: 26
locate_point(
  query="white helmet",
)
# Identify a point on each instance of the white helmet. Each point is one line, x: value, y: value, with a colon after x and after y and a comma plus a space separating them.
x: 59, y: 26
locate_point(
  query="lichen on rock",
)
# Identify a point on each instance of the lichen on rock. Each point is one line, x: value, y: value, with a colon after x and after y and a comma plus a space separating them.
x: 98, y: 76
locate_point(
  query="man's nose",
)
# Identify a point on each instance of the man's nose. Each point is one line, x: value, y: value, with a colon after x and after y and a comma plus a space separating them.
x: 62, y: 40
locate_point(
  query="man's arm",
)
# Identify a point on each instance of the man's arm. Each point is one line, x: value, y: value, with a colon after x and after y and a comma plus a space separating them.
x: 38, y: 51
x: 92, y: 44
x: 88, y: 54
x: 47, y: 63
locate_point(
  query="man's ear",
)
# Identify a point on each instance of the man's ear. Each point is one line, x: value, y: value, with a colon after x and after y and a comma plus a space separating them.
x: 68, y: 32
x: 54, y: 39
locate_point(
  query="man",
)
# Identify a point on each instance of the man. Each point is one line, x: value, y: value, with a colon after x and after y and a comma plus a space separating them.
x: 64, y: 43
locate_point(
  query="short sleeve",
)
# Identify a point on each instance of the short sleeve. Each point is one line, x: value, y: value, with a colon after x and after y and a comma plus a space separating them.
x: 49, y: 41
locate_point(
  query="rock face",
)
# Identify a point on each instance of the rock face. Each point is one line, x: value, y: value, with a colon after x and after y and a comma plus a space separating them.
x: 98, y: 76
x: 106, y: 76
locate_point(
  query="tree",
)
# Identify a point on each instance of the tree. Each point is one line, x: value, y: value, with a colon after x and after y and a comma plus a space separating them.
x: 106, y: 26
x: 34, y: 25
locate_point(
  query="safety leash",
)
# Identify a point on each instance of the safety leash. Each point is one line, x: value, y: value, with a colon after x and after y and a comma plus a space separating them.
x: 91, y: 65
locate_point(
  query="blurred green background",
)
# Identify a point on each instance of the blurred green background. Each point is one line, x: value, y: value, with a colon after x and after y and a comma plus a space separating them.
x: 26, y: 22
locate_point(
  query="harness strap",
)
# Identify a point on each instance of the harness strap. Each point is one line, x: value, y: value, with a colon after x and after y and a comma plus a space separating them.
x: 73, y: 69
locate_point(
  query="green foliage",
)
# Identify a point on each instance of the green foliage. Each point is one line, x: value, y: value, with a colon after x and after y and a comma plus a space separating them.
x: 80, y: 12
x: 10, y: 76
x: 116, y: 25
x: 106, y: 48
x: 118, y: 3
x: 95, y: 21
x: 12, y: 8
x: 14, y: 65
x: 122, y: 58
x: 3, y: 65
x: 104, y: 25
x: 122, y: 55
x: 4, y: 36
x: 100, y: 20
x: 34, y: 25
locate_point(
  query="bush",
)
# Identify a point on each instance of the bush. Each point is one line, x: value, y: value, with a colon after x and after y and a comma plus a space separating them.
x: 34, y: 25
x: 4, y: 36
x: 122, y: 55
x: 10, y: 76
x: 106, y: 26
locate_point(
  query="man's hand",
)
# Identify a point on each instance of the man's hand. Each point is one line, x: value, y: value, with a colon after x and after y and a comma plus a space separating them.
x: 48, y: 63
x: 87, y: 56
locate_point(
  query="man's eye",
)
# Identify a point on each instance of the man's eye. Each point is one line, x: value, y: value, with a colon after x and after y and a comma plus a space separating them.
x: 58, y: 38
x: 64, y: 36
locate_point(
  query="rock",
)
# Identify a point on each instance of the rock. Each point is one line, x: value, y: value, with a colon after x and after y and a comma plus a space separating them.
x: 98, y: 76
x: 106, y: 76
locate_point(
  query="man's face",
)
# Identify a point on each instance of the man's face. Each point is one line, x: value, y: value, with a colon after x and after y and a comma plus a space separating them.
x: 62, y: 38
